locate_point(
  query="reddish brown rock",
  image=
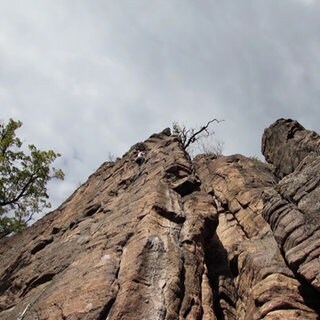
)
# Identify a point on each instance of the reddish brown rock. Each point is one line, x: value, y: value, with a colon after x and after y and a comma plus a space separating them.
x: 173, y: 239
x: 286, y: 143
x: 128, y: 244
x: 252, y: 280
x: 292, y: 208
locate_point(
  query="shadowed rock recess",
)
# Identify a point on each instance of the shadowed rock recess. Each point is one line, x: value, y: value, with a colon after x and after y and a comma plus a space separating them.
x: 213, y: 238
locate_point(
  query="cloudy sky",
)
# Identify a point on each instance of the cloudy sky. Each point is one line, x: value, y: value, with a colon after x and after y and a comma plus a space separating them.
x: 91, y: 78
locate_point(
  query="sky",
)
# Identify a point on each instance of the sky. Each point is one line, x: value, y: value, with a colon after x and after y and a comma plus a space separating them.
x: 89, y: 79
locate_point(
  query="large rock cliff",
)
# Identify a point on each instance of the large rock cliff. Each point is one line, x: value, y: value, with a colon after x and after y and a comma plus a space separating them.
x: 213, y: 238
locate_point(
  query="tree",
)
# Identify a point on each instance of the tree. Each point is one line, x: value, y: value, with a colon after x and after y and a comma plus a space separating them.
x: 23, y: 179
x: 200, y: 136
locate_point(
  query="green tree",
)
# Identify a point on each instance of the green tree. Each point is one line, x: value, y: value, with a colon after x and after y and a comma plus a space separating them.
x: 23, y: 179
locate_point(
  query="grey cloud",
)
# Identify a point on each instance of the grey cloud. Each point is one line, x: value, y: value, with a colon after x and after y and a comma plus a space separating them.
x: 98, y: 76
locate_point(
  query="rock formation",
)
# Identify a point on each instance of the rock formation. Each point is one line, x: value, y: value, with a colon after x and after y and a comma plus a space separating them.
x: 213, y: 238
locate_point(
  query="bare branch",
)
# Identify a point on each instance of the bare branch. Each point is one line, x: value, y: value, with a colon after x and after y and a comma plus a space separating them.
x: 193, y: 138
x: 30, y: 181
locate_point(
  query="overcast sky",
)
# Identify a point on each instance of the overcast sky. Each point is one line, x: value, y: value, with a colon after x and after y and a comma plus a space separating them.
x: 91, y: 78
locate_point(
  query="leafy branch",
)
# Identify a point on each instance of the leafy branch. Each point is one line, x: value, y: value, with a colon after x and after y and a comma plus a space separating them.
x: 23, y: 179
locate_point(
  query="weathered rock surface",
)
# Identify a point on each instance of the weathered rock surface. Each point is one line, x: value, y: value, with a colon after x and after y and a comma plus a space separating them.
x: 251, y: 277
x: 175, y: 239
x: 286, y: 143
x: 292, y: 208
x: 128, y: 244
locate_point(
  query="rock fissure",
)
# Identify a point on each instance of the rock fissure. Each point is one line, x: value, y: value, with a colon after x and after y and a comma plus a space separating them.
x: 177, y: 239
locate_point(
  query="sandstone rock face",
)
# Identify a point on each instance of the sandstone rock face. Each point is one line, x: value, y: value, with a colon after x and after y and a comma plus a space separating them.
x: 128, y: 244
x: 293, y: 208
x: 177, y: 239
x: 251, y: 276
x: 286, y: 143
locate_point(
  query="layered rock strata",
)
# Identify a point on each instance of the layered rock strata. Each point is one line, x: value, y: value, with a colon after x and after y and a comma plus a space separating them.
x: 128, y: 244
x: 251, y: 277
x: 292, y: 208
x: 213, y: 238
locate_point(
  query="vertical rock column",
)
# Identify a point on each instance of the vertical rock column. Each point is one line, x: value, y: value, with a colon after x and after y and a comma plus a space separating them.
x: 128, y: 244
x: 163, y: 273
x: 246, y: 268
x: 292, y: 208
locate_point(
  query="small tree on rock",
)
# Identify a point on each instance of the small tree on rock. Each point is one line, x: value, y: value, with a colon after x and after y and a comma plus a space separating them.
x: 200, y: 136
x: 23, y: 179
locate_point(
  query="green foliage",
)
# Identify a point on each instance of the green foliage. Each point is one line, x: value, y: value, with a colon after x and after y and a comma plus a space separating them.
x: 181, y: 132
x: 23, y: 179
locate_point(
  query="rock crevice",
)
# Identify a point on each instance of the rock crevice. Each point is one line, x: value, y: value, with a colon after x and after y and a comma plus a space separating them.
x: 170, y: 238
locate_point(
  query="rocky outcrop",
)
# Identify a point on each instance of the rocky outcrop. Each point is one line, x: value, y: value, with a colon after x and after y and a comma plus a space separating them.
x: 213, y: 238
x: 128, y: 244
x: 292, y: 208
x: 286, y: 143
x: 253, y: 280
